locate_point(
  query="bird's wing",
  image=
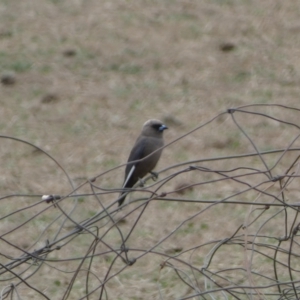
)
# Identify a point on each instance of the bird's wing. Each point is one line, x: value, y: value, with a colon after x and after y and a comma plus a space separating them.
x: 137, y: 151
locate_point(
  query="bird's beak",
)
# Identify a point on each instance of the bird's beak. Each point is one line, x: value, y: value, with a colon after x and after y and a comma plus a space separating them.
x: 162, y: 128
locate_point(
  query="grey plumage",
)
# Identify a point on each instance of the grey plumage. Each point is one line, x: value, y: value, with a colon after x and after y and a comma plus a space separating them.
x: 150, y: 140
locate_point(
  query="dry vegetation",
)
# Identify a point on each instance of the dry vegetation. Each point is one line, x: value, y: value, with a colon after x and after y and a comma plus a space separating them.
x: 78, y: 80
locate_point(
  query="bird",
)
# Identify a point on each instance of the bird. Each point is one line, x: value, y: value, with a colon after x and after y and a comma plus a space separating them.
x: 150, y: 140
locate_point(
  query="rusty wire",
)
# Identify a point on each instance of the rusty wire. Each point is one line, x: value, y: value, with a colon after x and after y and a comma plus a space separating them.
x: 256, y: 257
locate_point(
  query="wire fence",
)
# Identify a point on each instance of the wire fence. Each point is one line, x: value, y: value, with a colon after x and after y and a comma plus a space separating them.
x: 219, y: 227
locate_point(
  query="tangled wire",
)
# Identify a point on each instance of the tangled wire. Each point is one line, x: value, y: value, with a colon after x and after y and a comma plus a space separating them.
x: 221, y: 227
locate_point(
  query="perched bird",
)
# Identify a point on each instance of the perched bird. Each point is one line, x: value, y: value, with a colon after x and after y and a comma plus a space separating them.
x: 150, y: 139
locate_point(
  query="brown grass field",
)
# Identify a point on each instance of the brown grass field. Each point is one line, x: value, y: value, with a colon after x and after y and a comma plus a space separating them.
x: 78, y: 80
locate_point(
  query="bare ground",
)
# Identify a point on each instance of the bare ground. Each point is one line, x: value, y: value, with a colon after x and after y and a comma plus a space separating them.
x: 87, y: 74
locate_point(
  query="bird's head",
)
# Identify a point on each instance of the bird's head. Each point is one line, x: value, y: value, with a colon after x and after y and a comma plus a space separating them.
x: 153, y: 128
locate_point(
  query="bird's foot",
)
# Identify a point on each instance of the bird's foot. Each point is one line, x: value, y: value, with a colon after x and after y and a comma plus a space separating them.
x: 141, y: 182
x: 154, y: 175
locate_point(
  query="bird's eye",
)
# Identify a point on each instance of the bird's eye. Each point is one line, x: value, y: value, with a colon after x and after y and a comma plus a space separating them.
x: 159, y: 127
x: 156, y: 126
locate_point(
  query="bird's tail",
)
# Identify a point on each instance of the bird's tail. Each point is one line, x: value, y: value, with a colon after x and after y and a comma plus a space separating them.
x: 126, y: 185
x: 122, y: 198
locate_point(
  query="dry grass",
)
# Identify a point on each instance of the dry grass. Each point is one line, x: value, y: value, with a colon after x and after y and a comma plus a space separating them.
x: 87, y: 75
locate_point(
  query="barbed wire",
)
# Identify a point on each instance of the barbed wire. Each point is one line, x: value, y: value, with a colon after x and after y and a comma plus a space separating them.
x: 223, y: 227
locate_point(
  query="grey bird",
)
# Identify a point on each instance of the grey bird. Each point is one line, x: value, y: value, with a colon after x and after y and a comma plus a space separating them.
x: 150, y: 140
